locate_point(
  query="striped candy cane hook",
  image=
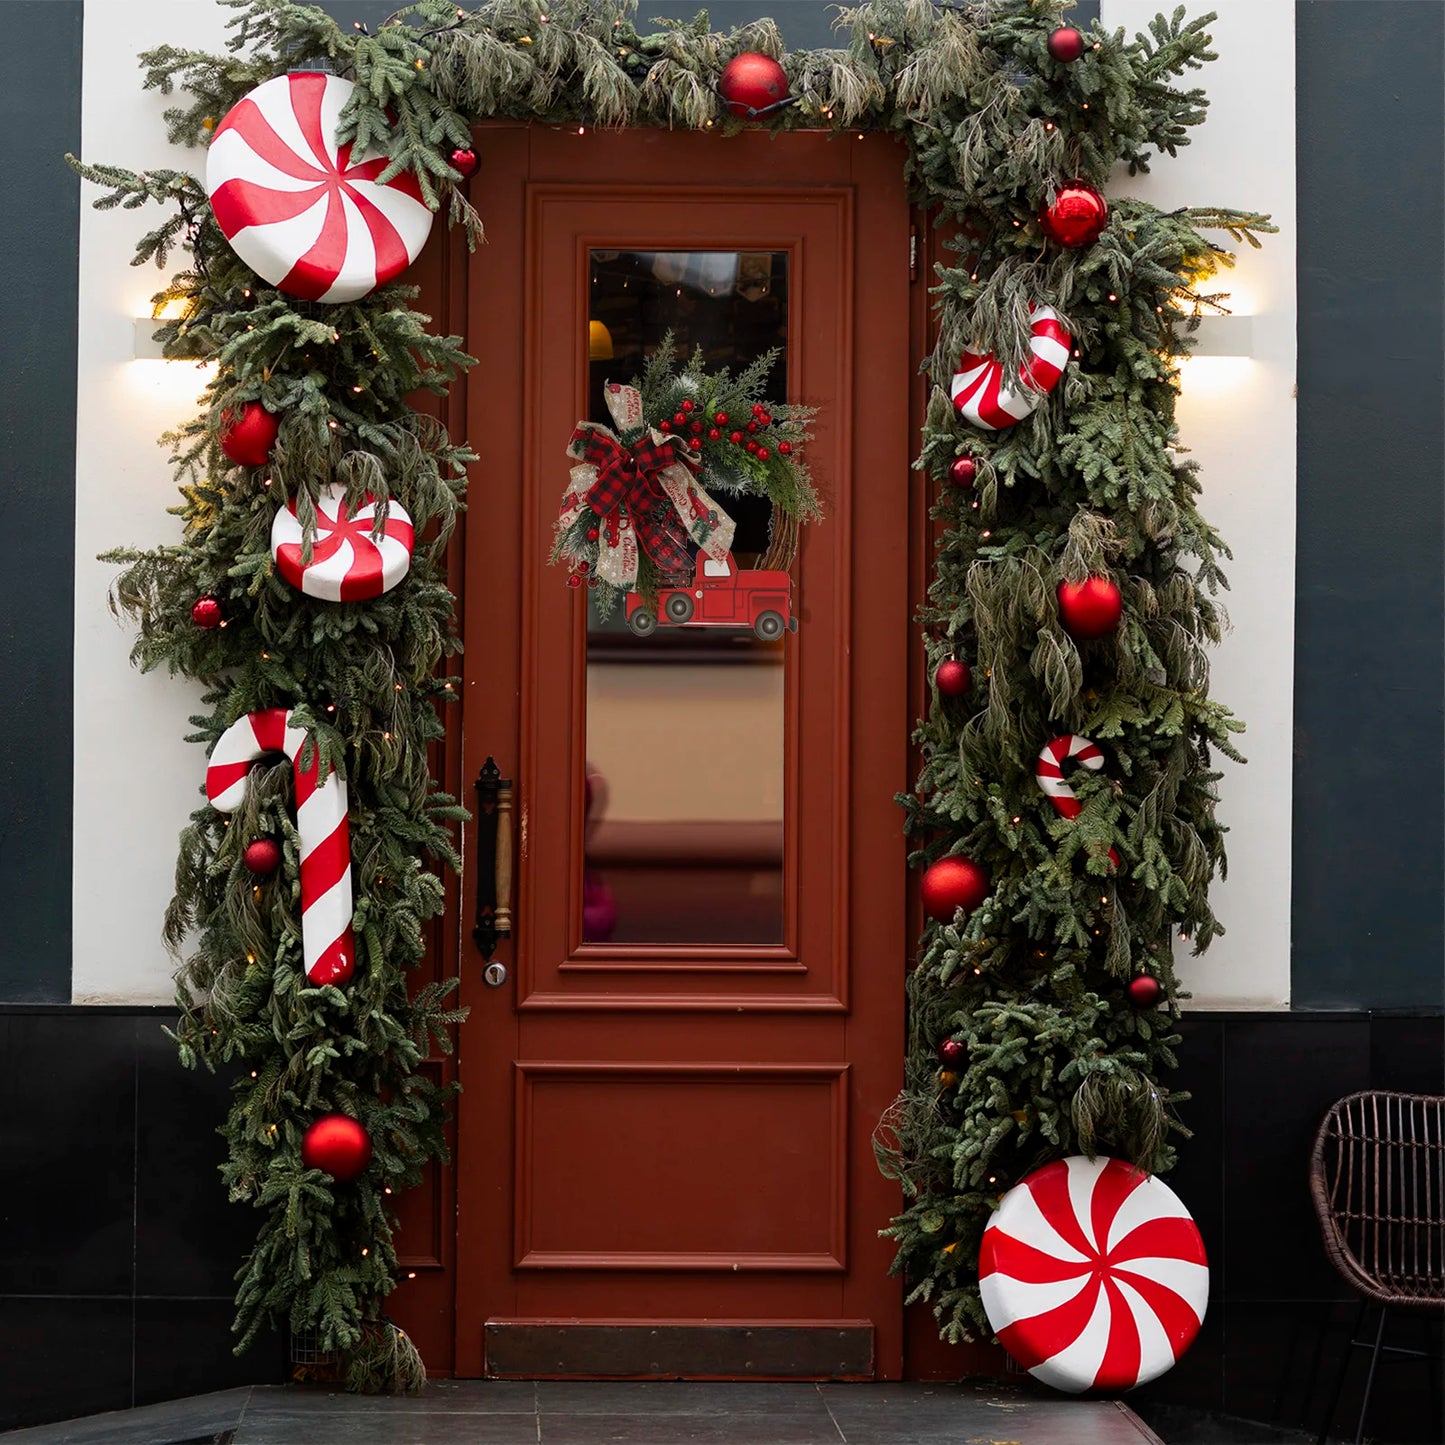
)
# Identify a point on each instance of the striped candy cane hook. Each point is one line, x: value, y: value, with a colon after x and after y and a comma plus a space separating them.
x: 1050, y: 773
x: 327, y: 945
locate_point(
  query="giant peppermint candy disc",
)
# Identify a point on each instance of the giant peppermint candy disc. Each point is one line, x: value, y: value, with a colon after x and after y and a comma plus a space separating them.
x: 300, y: 211
x: 348, y: 562
x: 978, y: 388
x: 1093, y: 1275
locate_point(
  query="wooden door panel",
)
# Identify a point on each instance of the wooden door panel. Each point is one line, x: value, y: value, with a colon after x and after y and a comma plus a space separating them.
x: 658, y: 1133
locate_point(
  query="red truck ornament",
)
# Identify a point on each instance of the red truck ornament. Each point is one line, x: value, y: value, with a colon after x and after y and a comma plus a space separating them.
x: 721, y: 595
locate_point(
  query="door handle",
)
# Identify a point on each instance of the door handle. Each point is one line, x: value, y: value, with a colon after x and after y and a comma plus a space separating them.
x: 494, y: 858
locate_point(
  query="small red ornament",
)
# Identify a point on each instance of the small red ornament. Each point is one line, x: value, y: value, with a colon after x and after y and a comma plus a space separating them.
x: 1145, y: 990
x: 464, y: 159
x: 337, y: 1144
x: 758, y: 408
x: 953, y: 1053
x: 752, y: 426
x: 962, y: 471
x: 247, y: 438
x: 736, y: 439
x: 1089, y: 609
x: 206, y: 613
x: 713, y: 434
x: 574, y: 580
x: 592, y: 534
x: 785, y: 449
x: 753, y: 447
x: 679, y: 419
x: 696, y: 428
x: 751, y: 83
x: 1077, y: 216
x: 766, y: 419
x: 262, y: 856
x: 687, y: 404
x: 1066, y: 44
x: 951, y: 884
x: 695, y: 443
x: 584, y: 566
x: 952, y: 678
x: 721, y: 418
x: 763, y: 454
x: 664, y: 426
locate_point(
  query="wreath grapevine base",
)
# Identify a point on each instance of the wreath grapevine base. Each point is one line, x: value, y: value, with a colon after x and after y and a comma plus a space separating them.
x: 1025, y: 994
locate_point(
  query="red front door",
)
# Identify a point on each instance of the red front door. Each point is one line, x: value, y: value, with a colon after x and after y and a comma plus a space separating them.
x: 663, y: 1145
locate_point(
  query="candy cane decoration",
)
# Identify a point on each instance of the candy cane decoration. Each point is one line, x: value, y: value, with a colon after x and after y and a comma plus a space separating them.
x: 327, y: 945
x: 978, y: 390
x: 1093, y: 1275
x: 1050, y: 773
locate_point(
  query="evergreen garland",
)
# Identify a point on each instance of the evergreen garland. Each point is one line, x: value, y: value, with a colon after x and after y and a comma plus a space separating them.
x: 1032, y: 980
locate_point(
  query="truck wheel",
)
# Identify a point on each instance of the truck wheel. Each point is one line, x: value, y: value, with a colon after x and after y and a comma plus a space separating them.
x: 643, y: 622
x: 678, y: 607
x: 769, y: 626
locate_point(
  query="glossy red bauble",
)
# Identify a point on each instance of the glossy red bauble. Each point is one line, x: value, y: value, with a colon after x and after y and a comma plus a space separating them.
x: 785, y: 449
x: 1066, y: 44
x: 337, y: 1144
x: 1077, y: 216
x: 952, y: 678
x: 953, y: 1053
x: 262, y: 856
x: 1089, y: 609
x: 464, y: 160
x: 951, y: 884
x: 247, y: 438
x: 206, y: 613
x: 962, y: 471
x: 1145, y: 990
x: 751, y: 83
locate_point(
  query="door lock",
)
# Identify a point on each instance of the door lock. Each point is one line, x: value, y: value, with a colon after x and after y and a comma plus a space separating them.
x: 495, y: 974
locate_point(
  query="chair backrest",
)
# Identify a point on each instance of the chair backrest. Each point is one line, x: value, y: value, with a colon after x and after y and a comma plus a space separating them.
x: 1377, y: 1178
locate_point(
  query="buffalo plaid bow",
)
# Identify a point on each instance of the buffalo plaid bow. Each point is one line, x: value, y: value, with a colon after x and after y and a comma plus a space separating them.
x: 627, y: 476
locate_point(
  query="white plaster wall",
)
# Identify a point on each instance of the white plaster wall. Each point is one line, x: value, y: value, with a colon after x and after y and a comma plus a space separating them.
x: 135, y: 780
x: 1238, y: 418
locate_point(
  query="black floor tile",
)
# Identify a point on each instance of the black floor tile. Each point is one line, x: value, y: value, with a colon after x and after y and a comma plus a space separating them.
x: 61, y: 1358
x: 671, y: 1397
x: 441, y: 1397
x: 776, y: 1427
x: 65, y: 1221
x: 383, y: 1427
x: 202, y: 1417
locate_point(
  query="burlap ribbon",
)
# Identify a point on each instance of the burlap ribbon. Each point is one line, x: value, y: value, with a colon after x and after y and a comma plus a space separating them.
x: 644, y: 494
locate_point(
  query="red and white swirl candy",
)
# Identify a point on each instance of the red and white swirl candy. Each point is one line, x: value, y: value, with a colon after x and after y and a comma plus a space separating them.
x: 298, y: 209
x: 322, y: 822
x: 1050, y: 774
x: 349, y: 561
x: 1093, y: 1275
x: 978, y: 388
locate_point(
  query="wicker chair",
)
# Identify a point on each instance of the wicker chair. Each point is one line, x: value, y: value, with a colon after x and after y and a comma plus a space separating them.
x: 1377, y: 1178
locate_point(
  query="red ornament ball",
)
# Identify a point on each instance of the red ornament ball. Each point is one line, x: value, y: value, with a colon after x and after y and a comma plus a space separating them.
x: 464, y: 160
x: 664, y: 426
x: 758, y: 408
x: 953, y: 1053
x: 687, y: 404
x: 785, y: 449
x: 247, y: 438
x: 736, y: 439
x: 1066, y: 44
x: 1145, y: 990
x: 1077, y: 217
x: 962, y: 471
x: 763, y: 454
x: 953, y: 678
x: 679, y: 418
x: 574, y: 580
x: 695, y: 443
x: 592, y: 534
x: 951, y: 884
x: 721, y: 418
x: 262, y: 856
x: 337, y: 1144
x: 713, y: 434
x: 206, y: 613
x: 1089, y: 609
x: 753, y: 447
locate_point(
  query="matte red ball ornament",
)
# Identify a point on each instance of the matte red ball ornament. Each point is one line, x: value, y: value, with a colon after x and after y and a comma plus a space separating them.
x: 962, y: 471
x: 953, y: 1053
x: 464, y: 159
x: 206, y: 613
x: 262, y: 856
x: 1077, y: 216
x: 1145, y: 990
x: 1066, y: 44
x: 337, y: 1144
x: 951, y: 884
x: 247, y: 437
x: 1090, y: 608
x: 953, y: 678
x: 751, y: 83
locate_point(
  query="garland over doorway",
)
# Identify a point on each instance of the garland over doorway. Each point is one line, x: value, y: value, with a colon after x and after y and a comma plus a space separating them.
x: 1071, y: 601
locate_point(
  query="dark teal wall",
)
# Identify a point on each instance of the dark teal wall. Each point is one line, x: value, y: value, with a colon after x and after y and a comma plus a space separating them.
x: 40, y: 116
x: 1369, y: 854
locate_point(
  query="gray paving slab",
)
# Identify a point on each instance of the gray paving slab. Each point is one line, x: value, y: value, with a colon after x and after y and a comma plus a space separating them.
x: 197, y: 1417
x: 675, y: 1397
x: 775, y: 1427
